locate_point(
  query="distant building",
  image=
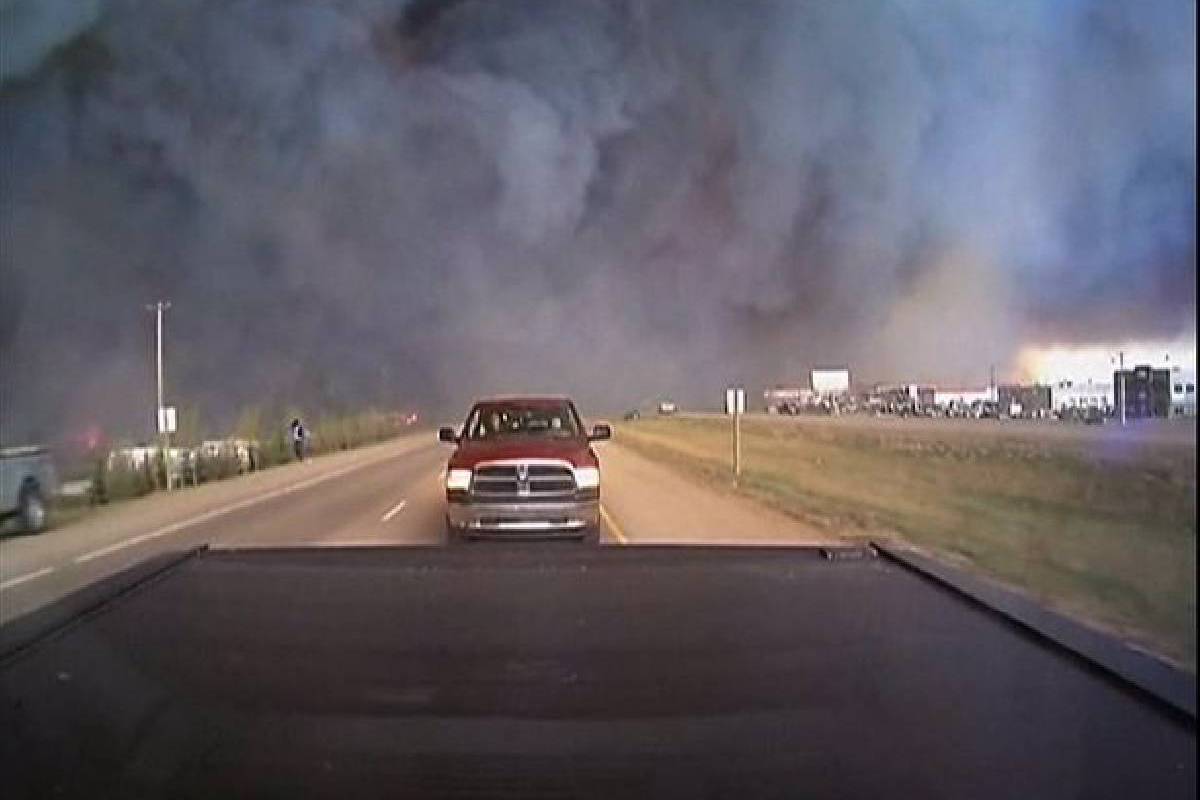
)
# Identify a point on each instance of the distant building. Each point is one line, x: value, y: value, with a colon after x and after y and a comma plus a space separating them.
x: 904, y: 397
x: 786, y: 399
x: 830, y: 383
x: 922, y: 396
x: 1183, y: 392
x: 962, y: 398
x: 883, y: 396
x: 1024, y: 401
x: 1144, y: 392
x: 1072, y: 395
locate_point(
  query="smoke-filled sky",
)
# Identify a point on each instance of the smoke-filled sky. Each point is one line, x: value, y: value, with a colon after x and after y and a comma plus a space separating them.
x: 411, y: 203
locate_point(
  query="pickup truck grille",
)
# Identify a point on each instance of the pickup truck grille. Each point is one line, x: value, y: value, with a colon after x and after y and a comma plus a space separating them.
x: 523, y: 482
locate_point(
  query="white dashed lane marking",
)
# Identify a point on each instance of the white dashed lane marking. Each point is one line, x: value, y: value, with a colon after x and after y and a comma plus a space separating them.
x: 26, y: 578
x: 396, y: 509
x: 219, y: 512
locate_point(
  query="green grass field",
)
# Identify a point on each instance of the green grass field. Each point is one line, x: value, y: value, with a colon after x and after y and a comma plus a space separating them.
x: 1094, y: 521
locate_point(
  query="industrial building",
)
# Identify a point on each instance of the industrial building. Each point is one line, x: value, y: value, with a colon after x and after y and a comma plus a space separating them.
x: 1024, y: 401
x: 786, y: 400
x: 1143, y: 392
x: 1183, y: 392
x: 1073, y: 396
x: 830, y: 383
x: 1150, y: 392
x: 828, y: 389
x: 963, y: 398
x: 909, y: 397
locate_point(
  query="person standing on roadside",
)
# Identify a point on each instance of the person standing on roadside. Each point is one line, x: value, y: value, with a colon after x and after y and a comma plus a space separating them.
x: 299, y: 440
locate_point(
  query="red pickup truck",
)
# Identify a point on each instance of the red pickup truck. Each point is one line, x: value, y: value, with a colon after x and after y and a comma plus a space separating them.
x: 523, y: 468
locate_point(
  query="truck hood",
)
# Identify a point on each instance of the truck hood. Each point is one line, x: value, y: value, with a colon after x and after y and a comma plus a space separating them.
x: 575, y: 451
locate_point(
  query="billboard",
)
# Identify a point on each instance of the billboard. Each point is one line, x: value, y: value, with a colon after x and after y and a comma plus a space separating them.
x: 831, y: 381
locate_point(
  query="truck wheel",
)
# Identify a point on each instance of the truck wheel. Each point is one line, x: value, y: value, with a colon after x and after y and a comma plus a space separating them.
x: 454, y: 537
x: 32, y: 510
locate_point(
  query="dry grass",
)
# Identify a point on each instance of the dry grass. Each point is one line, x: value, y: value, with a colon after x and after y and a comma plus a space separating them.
x: 1097, y: 522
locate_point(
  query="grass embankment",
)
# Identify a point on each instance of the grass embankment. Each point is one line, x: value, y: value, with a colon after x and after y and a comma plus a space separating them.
x: 1101, y: 524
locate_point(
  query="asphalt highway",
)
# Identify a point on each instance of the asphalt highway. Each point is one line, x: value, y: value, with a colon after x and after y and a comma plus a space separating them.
x: 389, y: 494
x: 327, y: 644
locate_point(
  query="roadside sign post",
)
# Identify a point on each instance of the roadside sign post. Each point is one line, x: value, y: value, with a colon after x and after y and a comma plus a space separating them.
x: 735, y: 406
x: 166, y: 426
x: 737, y: 446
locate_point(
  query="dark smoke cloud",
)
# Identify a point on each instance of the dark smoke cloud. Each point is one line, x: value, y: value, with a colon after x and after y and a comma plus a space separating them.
x: 384, y: 202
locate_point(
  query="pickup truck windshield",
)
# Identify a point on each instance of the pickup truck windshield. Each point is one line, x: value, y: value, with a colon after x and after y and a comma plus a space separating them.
x: 496, y: 421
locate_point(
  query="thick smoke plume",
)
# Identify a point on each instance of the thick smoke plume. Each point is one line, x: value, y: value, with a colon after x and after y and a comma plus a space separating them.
x: 367, y: 201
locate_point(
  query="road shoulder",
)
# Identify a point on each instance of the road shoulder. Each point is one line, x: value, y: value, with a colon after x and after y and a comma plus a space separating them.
x: 652, y: 504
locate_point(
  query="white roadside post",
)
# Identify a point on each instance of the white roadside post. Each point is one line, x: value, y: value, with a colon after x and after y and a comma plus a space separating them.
x: 166, y: 416
x: 167, y: 426
x: 1119, y: 382
x: 1121, y: 372
x: 735, y: 406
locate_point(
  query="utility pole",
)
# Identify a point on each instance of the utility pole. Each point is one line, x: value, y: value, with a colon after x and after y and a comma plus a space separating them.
x: 160, y: 416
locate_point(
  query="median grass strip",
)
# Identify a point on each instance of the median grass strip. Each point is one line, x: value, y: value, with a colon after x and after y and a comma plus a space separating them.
x: 1101, y: 527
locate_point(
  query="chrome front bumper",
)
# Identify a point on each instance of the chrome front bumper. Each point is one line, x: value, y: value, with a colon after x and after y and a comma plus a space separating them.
x: 569, y: 518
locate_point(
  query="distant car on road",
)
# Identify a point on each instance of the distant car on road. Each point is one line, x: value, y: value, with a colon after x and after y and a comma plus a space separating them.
x: 27, y: 482
x: 523, y: 468
x: 666, y: 408
x: 632, y: 414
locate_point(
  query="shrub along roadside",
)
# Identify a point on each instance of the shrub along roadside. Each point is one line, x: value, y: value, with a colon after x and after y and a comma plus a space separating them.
x: 330, y: 433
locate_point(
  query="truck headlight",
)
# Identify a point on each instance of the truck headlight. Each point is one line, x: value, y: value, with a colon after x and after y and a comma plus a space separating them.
x: 458, y: 480
x: 587, y: 477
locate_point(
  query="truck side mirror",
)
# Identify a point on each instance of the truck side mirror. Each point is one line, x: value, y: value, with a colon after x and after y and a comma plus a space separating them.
x: 601, y: 432
x: 447, y: 435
